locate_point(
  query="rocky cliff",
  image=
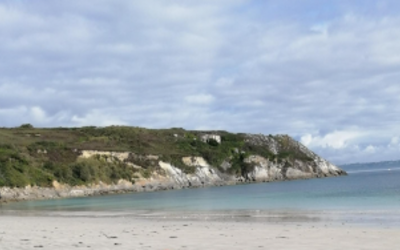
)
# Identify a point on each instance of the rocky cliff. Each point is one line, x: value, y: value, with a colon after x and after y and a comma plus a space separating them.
x: 198, y: 159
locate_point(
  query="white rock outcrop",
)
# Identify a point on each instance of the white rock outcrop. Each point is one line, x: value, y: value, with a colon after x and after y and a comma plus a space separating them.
x: 207, y: 137
x: 195, y: 161
x: 121, y: 156
x: 203, y: 175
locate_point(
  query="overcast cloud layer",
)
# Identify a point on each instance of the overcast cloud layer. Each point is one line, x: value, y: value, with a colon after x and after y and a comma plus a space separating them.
x: 325, y: 72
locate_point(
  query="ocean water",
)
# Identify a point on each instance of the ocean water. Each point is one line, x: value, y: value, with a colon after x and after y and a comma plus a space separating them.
x: 365, y: 190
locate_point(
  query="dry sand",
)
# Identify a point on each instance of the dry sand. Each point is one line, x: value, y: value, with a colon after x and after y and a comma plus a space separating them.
x: 105, y: 232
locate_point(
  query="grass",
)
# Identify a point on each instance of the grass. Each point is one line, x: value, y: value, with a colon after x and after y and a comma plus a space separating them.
x: 37, y: 156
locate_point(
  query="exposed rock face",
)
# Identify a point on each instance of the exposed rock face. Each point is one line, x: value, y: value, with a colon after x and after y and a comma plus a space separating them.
x: 65, y: 191
x: 204, y: 175
x: 207, y: 137
x: 168, y: 176
x: 195, y: 162
x: 265, y: 170
x: 119, y: 155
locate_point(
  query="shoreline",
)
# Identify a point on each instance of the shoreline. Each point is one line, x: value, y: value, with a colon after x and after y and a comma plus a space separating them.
x: 128, y: 232
x: 35, y: 193
x: 361, y: 218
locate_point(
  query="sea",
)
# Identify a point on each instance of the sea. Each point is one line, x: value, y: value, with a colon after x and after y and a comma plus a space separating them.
x: 369, y: 194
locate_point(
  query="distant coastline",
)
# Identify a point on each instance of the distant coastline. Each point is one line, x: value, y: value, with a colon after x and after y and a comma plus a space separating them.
x: 371, y: 164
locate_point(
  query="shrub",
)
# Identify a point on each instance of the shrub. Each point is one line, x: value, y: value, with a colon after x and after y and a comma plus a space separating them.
x: 212, y: 142
x: 12, y: 175
x: 146, y: 173
x: 176, y: 161
x: 64, y: 174
x: 26, y: 126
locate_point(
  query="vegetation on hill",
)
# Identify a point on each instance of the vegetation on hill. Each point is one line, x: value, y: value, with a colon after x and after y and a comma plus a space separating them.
x: 37, y: 156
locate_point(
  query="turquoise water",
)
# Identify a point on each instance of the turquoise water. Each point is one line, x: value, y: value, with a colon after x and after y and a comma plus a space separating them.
x: 365, y: 189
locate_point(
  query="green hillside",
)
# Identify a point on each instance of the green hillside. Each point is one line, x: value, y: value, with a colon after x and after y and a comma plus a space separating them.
x: 38, y: 156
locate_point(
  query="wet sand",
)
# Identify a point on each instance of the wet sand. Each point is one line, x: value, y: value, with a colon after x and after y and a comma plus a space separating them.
x: 163, y: 232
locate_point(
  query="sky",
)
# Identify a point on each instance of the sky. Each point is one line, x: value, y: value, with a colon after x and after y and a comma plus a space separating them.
x: 326, y: 73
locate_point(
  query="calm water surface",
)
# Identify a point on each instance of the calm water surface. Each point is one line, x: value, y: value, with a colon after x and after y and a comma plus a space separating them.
x: 365, y: 189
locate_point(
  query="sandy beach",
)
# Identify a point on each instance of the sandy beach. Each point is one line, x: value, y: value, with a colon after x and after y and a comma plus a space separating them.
x: 127, y: 232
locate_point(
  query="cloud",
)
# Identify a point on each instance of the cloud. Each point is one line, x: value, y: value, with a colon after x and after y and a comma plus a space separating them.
x: 361, y: 153
x: 335, y: 140
x: 370, y: 149
x: 325, y: 73
x: 199, y: 99
x: 97, y: 118
x: 321, y: 28
x: 394, y: 142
